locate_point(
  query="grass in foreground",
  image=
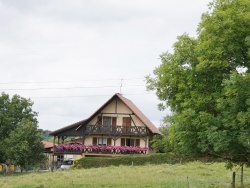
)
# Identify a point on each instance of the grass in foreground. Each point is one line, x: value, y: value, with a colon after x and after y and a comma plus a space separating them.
x: 189, y: 175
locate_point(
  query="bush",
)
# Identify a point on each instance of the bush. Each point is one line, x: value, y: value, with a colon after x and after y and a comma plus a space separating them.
x: 157, y: 158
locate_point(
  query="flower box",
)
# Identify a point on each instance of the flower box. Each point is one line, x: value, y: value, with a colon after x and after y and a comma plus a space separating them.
x: 79, y: 148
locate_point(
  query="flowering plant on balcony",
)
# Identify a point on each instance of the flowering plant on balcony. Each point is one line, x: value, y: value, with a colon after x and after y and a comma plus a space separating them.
x: 76, y: 147
x: 79, y: 148
x: 110, y: 149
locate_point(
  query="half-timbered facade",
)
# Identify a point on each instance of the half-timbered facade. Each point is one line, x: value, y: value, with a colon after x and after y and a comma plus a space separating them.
x: 118, y: 122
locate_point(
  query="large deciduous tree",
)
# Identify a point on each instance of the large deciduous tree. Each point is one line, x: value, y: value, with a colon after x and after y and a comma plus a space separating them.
x: 24, y: 145
x: 206, y: 83
x: 18, y: 128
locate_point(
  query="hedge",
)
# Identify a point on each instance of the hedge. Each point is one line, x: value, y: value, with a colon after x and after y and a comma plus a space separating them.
x: 157, y: 158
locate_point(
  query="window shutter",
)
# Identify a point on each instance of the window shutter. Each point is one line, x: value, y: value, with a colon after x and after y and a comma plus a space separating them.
x: 122, y: 141
x: 137, y: 142
x: 109, y: 142
x: 126, y: 121
x: 114, y: 121
x: 94, y: 141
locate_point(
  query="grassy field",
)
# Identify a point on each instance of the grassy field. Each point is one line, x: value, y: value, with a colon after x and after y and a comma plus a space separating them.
x: 188, y: 175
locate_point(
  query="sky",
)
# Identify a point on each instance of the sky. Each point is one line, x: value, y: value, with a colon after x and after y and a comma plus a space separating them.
x: 71, y: 56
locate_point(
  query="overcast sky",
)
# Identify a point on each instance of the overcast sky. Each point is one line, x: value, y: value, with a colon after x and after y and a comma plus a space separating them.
x: 70, y: 56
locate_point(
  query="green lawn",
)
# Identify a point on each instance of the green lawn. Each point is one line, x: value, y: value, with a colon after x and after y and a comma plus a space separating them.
x: 190, y: 175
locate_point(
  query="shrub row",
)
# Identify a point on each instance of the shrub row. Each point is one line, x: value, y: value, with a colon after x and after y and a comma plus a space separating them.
x: 157, y: 158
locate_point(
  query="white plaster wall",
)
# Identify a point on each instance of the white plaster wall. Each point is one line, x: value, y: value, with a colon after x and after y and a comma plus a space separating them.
x: 88, y: 141
x: 121, y: 108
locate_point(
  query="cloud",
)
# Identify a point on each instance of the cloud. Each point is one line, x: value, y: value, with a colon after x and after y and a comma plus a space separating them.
x: 86, y: 44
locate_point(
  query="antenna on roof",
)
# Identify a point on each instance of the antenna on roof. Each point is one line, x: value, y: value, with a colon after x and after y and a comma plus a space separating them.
x: 121, y: 87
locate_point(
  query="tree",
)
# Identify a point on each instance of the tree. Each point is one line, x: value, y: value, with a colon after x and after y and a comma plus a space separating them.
x: 24, y: 145
x: 13, y: 113
x: 205, y: 82
x: 160, y: 143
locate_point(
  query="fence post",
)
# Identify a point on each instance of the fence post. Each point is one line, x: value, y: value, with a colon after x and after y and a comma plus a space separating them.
x: 241, y: 176
x: 233, y: 180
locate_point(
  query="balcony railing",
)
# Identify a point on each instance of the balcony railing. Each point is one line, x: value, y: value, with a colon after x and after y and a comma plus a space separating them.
x: 115, y: 130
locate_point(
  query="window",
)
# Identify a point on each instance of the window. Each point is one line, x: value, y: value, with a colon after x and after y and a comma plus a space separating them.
x: 130, y: 142
x: 106, y: 121
x: 101, y: 141
x: 60, y: 158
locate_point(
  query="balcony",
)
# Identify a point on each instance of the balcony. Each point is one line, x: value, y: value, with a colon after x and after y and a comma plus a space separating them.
x: 115, y: 130
x: 79, y: 149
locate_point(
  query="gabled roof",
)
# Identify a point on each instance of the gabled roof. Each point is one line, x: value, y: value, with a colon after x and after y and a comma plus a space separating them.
x: 74, y: 125
x: 127, y: 102
x: 139, y: 114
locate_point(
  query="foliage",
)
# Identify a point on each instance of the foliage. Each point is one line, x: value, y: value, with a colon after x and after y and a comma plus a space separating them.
x: 24, y: 145
x: 136, y: 160
x: 45, y: 135
x: 20, y: 140
x: 231, y: 135
x: 95, y: 162
x: 160, y: 143
x: 205, y: 82
x: 13, y: 111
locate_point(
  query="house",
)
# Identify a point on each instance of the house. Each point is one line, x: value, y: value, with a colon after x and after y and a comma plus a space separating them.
x: 48, y: 147
x: 118, y: 126
x: 48, y: 152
